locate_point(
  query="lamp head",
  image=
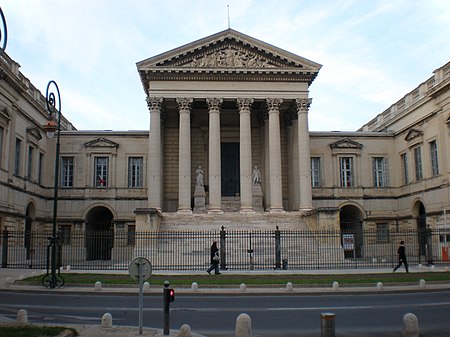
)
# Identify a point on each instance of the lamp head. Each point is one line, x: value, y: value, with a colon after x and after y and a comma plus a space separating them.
x: 50, y: 128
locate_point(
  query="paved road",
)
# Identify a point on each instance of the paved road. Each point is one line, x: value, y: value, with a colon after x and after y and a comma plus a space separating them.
x: 377, y: 314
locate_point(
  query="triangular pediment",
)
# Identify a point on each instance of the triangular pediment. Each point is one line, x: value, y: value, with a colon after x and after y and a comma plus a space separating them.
x: 346, y: 143
x: 413, y: 134
x: 228, y: 49
x: 33, y: 133
x: 101, y: 142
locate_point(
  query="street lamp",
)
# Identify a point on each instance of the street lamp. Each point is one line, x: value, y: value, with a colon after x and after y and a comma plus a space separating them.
x: 3, y: 31
x: 52, y: 280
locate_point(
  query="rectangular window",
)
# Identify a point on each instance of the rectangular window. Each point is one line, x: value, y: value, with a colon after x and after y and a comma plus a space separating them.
x: 379, y: 172
x: 418, y: 162
x: 404, y: 158
x: 382, y: 232
x: 346, y: 170
x: 64, y: 232
x: 40, y: 167
x: 30, y: 162
x: 315, y: 172
x: 101, y: 172
x: 1, y: 146
x: 17, y: 157
x: 131, y: 235
x: 66, y: 171
x: 434, y: 158
x: 135, y: 174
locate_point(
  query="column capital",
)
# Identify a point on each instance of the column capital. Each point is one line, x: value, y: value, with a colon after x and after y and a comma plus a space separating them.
x: 154, y: 103
x: 244, y: 104
x: 184, y: 103
x: 303, y: 104
x: 214, y: 103
x: 273, y: 103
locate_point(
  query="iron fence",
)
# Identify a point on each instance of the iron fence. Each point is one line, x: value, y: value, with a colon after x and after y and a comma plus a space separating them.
x: 239, y: 249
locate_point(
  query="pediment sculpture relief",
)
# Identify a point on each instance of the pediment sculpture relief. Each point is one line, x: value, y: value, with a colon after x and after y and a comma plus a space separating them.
x: 230, y: 57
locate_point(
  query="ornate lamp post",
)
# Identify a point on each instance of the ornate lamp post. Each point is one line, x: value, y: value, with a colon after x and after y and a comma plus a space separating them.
x: 53, y: 280
x: 4, y: 31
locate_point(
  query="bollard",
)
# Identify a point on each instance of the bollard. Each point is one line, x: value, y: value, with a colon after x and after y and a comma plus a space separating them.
x: 380, y: 285
x: 98, y: 286
x: 243, y: 287
x: 22, y: 317
x: 185, y: 331
x: 327, y: 324
x: 422, y: 283
x: 146, y: 286
x: 7, y: 282
x: 410, y: 326
x: 194, y: 286
x: 243, y: 326
x: 107, y: 320
x: 68, y: 267
x: 289, y: 287
x: 335, y: 286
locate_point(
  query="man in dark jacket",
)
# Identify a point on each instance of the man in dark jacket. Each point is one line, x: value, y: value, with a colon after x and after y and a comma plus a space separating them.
x: 401, y: 257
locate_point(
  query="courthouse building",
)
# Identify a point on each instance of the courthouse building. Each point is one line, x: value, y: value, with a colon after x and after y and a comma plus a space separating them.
x: 228, y: 144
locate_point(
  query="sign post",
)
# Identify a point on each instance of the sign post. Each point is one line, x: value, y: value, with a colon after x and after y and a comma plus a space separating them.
x: 140, y: 269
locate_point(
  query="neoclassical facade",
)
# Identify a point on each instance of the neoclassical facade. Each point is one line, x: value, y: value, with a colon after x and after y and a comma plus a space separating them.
x: 228, y: 143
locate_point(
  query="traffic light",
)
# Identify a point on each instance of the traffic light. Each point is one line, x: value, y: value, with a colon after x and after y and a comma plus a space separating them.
x: 170, y: 294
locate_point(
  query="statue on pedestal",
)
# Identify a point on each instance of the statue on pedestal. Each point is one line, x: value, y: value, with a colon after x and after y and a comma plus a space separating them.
x: 256, y: 177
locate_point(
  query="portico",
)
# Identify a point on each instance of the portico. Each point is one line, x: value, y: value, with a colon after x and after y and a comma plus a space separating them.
x: 228, y: 103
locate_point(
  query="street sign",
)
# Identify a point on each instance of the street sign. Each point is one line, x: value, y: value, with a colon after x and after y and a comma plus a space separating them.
x: 140, y: 268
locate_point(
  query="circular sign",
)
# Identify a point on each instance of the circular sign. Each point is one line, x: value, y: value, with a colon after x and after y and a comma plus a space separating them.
x: 140, y: 268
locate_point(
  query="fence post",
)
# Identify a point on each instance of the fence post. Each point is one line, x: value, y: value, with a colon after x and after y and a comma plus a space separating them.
x: 429, y: 246
x: 223, y: 249
x: 5, y: 249
x: 277, y: 248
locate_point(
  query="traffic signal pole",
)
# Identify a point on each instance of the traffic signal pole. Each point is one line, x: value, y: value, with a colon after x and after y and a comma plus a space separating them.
x: 168, y: 296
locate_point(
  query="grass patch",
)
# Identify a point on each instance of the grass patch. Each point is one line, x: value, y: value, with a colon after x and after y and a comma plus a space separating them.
x: 33, y: 331
x: 75, y: 279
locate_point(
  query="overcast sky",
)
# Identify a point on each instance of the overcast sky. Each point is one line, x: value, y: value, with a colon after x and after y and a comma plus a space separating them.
x: 373, y: 51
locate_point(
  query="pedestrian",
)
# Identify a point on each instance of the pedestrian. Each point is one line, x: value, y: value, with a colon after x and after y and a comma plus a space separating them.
x: 401, y: 257
x: 215, y: 258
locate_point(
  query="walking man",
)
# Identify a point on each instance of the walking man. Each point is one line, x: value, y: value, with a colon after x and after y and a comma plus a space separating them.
x: 401, y: 257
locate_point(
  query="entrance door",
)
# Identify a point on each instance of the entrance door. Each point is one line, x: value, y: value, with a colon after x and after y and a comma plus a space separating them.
x: 230, y: 169
x: 99, y: 234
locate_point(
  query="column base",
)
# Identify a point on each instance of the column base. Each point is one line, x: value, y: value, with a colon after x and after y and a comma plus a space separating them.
x: 186, y: 211
x: 247, y: 210
x: 215, y: 211
x: 276, y: 210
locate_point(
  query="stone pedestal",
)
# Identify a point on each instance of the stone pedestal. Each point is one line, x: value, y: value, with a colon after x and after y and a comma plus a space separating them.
x: 257, y: 199
x: 199, y: 200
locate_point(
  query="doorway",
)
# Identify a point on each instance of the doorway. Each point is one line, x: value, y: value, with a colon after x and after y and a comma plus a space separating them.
x: 421, y: 228
x: 230, y: 169
x: 99, y: 234
x: 351, y: 231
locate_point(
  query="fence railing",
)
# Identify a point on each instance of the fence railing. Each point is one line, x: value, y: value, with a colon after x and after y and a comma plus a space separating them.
x: 239, y: 250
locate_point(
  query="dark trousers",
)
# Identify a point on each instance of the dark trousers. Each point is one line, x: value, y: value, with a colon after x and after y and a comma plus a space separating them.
x: 400, y: 262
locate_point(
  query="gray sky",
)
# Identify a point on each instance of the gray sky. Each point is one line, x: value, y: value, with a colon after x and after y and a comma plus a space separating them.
x: 373, y: 51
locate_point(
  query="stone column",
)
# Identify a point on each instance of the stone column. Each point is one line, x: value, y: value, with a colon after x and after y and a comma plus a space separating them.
x: 184, y: 156
x: 304, y: 157
x: 214, y: 170
x: 276, y: 196
x: 245, y: 153
x: 154, y: 191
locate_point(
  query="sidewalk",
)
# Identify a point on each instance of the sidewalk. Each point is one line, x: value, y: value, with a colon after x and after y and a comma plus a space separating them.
x: 9, y: 276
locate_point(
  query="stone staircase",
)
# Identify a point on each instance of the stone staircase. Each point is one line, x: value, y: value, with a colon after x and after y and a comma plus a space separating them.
x: 244, y: 221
